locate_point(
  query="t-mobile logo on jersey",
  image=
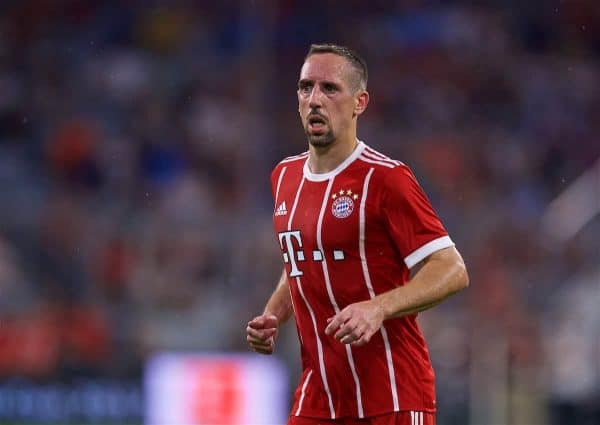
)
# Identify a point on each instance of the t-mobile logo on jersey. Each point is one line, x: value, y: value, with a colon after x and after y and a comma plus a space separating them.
x: 293, y: 256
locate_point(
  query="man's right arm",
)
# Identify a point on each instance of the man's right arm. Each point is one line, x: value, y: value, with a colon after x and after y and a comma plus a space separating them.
x: 262, y: 330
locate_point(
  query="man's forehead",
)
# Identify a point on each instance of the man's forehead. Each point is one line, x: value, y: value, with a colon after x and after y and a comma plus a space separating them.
x: 324, y: 66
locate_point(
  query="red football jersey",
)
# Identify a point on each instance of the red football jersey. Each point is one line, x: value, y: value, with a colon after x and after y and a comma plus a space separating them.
x: 346, y: 236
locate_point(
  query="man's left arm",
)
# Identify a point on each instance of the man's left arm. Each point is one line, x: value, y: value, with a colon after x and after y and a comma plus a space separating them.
x: 441, y: 274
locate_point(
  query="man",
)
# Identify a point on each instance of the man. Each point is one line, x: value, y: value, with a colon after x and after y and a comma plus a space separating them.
x: 364, y: 252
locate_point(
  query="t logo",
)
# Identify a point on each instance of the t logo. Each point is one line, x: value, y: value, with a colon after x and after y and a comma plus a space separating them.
x: 291, y: 255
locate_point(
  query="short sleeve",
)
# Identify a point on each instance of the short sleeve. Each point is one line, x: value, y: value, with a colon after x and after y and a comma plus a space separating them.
x: 412, y: 222
x: 274, y: 175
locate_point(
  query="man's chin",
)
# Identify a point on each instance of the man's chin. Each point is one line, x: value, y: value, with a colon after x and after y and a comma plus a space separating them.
x: 320, y: 140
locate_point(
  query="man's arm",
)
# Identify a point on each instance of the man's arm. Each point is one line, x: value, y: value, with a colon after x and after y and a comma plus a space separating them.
x: 280, y: 303
x: 262, y: 330
x: 441, y: 275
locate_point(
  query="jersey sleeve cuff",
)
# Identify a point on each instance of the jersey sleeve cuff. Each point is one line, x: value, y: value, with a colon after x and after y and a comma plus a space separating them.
x: 426, y: 250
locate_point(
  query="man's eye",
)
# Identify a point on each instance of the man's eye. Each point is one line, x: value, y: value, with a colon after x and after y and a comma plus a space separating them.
x: 330, y: 88
x: 305, y: 88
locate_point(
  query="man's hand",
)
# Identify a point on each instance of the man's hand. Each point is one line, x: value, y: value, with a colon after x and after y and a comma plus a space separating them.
x: 261, y: 333
x: 356, y: 323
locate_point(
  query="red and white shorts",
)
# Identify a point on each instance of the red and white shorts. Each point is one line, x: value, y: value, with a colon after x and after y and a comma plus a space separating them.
x: 407, y: 417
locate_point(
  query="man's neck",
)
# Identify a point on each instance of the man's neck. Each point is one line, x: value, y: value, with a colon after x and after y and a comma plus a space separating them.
x: 326, y: 159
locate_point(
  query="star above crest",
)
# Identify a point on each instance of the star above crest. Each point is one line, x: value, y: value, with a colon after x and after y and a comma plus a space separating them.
x: 348, y: 192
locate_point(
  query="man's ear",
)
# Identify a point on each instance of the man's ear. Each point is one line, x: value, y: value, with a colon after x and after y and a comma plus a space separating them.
x: 360, y: 102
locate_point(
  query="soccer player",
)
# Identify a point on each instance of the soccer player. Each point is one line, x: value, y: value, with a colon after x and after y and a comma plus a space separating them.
x: 363, y: 253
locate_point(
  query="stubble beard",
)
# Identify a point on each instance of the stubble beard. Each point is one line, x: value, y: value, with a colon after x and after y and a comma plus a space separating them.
x: 320, y: 141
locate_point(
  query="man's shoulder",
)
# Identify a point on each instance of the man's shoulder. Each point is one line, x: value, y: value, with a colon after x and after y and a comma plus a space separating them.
x: 291, y: 161
x: 294, y: 158
x: 382, y: 164
x: 389, y: 175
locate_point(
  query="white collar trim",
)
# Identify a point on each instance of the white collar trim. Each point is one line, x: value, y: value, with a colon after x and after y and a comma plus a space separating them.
x: 320, y: 177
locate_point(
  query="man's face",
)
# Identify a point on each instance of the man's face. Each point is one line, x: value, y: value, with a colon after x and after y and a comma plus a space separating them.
x: 326, y: 98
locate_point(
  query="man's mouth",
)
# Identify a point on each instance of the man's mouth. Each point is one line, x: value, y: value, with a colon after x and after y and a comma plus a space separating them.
x: 316, y: 123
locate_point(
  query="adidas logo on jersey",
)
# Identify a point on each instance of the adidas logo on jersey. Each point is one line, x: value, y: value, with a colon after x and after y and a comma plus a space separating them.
x: 281, y: 209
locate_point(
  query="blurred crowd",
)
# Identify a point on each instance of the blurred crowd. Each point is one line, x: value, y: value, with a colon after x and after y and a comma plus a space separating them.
x: 136, y: 143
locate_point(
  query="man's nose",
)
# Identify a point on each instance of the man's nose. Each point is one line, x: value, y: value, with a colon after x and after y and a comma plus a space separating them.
x: 314, y: 101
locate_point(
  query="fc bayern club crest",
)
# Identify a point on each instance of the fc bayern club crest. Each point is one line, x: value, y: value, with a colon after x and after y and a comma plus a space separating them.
x: 343, y: 203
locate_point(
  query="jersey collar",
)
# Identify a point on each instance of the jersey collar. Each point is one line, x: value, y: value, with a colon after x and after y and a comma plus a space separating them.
x: 320, y: 177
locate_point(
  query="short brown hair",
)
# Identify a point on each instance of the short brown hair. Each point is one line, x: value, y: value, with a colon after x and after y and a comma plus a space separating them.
x: 357, y: 62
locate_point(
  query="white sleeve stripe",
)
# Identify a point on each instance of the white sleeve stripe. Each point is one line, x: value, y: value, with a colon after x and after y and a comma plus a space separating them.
x: 379, y: 154
x: 279, y: 185
x: 379, y: 158
x: 382, y: 156
x: 371, y: 161
x: 426, y: 250
x: 374, y: 152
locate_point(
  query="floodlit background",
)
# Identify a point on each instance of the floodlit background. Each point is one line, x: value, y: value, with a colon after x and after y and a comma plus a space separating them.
x: 136, y: 142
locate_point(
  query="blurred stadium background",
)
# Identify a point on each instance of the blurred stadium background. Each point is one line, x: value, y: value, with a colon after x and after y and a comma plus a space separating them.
x: 136, y: 141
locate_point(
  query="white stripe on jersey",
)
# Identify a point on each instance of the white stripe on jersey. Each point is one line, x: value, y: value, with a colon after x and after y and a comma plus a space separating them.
x: 319, y: 348
x: 279, y: 180
x: 332, y: 298
x: 416, y: 418
x: 312, y: 314
x: 379, y: 158
x: 295, y: 157
x: 295, y: 204
x: 303, y: 392
x: 367, y: 276
x: 372, y: 161
x: 375, y: 153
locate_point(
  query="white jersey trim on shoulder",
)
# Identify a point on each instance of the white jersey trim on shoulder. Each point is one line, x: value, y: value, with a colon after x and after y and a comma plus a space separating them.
x: 426, y: 250
x: 368, y: 154
x: 372, y: 161
x: 321, y: 177
x: 381, y: 156
x: 294, y: 158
